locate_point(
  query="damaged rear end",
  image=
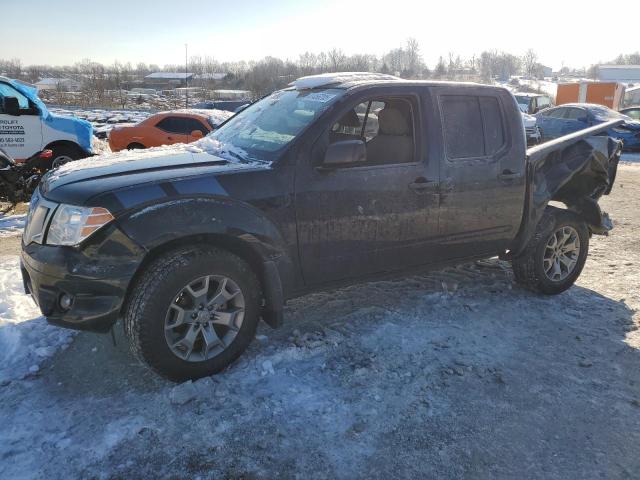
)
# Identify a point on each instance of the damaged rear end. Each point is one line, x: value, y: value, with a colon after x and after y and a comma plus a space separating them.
x: 575, y: 170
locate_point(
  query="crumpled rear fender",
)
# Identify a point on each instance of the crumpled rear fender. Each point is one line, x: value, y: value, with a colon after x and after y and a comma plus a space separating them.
x: 576, y: 170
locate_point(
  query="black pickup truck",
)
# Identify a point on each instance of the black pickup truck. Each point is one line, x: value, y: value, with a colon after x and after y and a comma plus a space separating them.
x: 337, y: 179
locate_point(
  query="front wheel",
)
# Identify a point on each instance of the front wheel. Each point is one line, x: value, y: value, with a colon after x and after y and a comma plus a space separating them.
x: 555, y: 255
x: 193, y: 312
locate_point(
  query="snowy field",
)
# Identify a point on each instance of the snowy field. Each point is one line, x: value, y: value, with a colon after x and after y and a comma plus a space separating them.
x: 454, y: 374
x: 103, y: 120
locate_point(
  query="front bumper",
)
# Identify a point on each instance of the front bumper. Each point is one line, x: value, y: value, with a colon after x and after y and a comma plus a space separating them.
x: 96, y: 277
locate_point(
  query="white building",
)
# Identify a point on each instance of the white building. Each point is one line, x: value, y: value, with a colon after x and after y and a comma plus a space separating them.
x: 619, y: 73
x: 65, y: 84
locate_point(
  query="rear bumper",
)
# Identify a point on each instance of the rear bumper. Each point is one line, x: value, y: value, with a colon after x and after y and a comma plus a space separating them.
x: 96, y: 285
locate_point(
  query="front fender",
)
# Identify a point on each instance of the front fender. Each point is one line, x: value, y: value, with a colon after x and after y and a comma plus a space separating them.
x: 223, y: 222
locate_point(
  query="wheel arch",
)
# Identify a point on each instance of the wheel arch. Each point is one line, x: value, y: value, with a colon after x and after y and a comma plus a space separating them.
x: 268, y: 273
x: 68, y: 144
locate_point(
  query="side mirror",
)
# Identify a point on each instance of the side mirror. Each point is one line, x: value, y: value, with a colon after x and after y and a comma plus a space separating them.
x: 10, y: 106
x: 344, y: 153
x: 197, y: 134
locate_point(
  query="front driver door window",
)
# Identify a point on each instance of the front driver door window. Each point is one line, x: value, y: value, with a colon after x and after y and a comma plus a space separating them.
x: 21, y: 135
x: 191, y: 124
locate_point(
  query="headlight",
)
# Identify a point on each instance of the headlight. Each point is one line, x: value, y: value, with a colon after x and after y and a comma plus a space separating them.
x: 71, y: 224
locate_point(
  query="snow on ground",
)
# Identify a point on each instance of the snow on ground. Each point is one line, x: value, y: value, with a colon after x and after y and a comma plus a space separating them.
x: 11, y: 225
x: 451, y: 374
x: 26, y: 340
x: 550, y: 88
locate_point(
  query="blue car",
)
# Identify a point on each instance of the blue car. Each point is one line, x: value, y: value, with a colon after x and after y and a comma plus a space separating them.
x: 571, y: 117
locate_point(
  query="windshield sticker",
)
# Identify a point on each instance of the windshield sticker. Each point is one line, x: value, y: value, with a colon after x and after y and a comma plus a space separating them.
x: 319, y: 97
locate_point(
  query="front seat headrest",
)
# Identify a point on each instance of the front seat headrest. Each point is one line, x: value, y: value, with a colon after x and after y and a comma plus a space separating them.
x: 392, y: 122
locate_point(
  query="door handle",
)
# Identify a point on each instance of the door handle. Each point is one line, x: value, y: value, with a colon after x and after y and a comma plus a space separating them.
x: 421, y: 185
x: 509, y: 175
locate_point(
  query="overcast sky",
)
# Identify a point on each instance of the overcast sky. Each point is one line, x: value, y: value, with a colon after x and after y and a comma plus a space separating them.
x: 60, y: 32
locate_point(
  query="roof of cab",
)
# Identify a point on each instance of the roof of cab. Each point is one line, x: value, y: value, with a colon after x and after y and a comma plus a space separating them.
x: 348, y: 80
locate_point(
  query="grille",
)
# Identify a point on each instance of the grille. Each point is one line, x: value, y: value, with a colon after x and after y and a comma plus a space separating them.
x: 532, y: 131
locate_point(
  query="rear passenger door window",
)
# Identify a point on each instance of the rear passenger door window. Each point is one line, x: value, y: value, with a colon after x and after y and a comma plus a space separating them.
x: 492, y: 124
x: 473, y: 126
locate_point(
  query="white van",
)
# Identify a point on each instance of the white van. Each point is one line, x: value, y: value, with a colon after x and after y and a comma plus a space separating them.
x: 27, y: 127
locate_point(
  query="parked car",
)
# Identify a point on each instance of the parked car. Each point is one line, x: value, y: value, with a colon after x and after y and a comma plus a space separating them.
x: 531, y: 129
x: 166, y: 128
x: 191, y: 247
x: 27, y: 127
x: 571, y: 117
x: 532, y: 102
x: 632, y: 112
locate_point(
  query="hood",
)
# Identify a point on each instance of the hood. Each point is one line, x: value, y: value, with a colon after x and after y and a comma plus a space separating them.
x: 77, y: 182
x: 81, y: 129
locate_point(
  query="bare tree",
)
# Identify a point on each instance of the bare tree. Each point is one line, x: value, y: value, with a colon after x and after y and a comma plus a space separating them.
x: 530, y: 62
x: 441, y: 68
x: 414, y: 60
x: 337, y: 59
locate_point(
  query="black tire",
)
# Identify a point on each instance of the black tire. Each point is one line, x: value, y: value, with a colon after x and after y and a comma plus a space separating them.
x: 135, y: 146
x: 153, y: 292
x: 63, y: 154
x: 528, y: 268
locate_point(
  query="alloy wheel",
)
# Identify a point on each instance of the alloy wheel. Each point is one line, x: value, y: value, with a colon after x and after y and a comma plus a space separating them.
x: 60, y: 160
x: 204, y: 318
x: 561, y: 253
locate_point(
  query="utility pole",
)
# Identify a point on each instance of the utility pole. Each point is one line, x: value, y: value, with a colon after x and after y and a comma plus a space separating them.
x: 186, y: 78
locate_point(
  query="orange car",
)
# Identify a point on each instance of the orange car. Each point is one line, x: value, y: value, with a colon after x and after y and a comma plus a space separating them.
x: 166, y: 128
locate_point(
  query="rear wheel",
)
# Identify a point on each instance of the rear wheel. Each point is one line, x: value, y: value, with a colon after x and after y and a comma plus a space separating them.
x: 134, y: 146
x: 555, y: 255
x: 193, y: 312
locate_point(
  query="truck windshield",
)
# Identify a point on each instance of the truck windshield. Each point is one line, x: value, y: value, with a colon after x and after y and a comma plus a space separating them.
x: 262, y: 130
x: 522, y: 100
